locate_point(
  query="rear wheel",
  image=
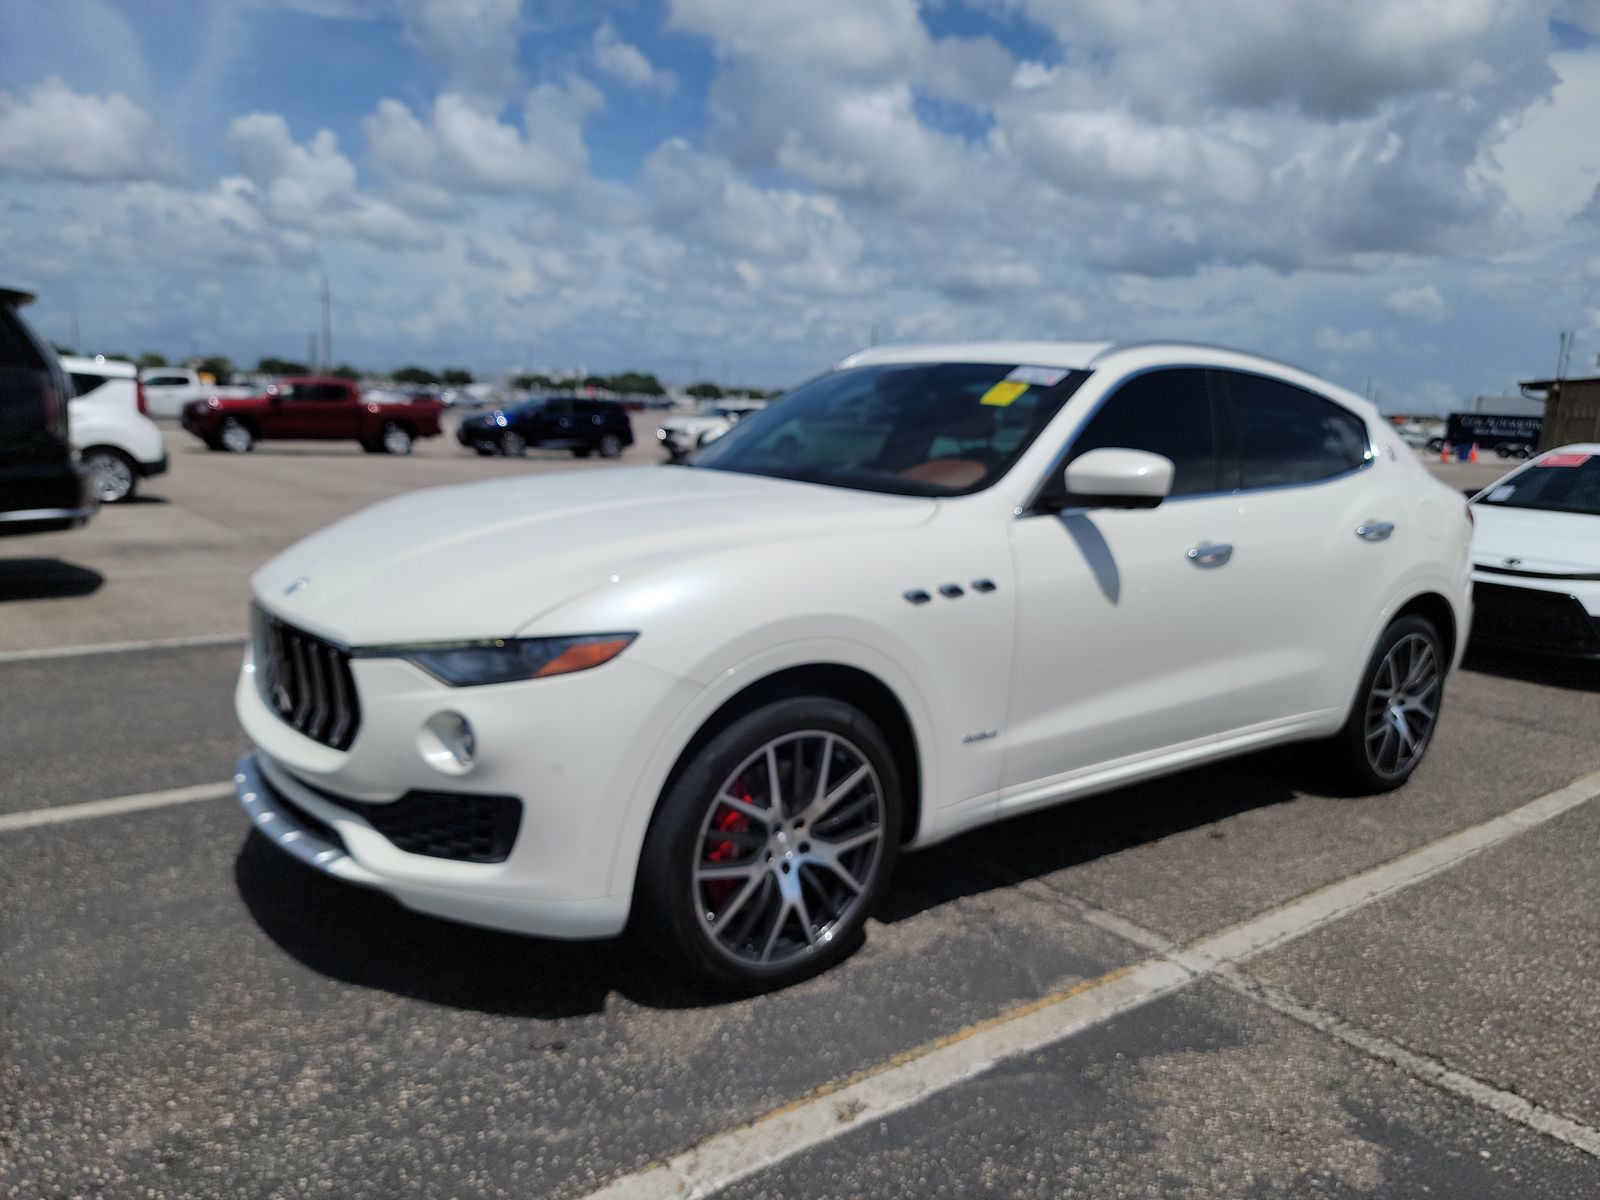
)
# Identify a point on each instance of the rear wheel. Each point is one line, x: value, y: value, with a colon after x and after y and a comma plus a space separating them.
x: 235, y: 437
x: 772, y: 847
x: 111, y: 474
x: 610, y: 445
x: 1396, y: 708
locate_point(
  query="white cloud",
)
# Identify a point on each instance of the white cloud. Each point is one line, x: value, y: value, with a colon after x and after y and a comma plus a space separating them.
x: 313, y: 187
x: 1357, y: 341
x: 465, y: 146
x: 474, y: 41
x: 625, y: 61
x: 56, y: 133
x: 1424, y: 303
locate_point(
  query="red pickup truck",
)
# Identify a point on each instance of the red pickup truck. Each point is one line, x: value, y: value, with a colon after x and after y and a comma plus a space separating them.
x: 308, y: 408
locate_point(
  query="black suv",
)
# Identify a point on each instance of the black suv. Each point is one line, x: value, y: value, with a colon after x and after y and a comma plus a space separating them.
x: 41, y: 487
x: 574, y: 423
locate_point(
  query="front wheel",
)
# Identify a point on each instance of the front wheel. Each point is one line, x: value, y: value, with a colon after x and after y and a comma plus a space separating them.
x: 396, y: 439
x: 772, y: 847
x: 236, y: 438
x: 513, y: 444
x: 1396, y: 708
x: 610, y: 445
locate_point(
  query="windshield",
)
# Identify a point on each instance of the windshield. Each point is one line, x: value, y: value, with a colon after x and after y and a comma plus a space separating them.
x: 1557, y: 482
x: 912, y: 429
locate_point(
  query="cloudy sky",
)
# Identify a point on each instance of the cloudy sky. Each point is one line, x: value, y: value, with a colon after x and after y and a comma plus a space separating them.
x: 1397, y: 194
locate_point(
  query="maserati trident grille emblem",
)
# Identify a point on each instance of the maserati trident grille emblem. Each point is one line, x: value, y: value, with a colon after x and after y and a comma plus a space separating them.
x: 296, y: 586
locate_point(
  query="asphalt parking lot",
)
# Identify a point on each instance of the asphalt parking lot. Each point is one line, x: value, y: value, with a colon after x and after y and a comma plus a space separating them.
x: 1234, y: 982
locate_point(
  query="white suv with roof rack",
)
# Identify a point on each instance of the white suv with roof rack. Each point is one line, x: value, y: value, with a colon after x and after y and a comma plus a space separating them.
x: 116, y: 441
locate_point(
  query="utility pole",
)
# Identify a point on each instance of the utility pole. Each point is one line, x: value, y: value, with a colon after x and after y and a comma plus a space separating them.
x: 327, y: 327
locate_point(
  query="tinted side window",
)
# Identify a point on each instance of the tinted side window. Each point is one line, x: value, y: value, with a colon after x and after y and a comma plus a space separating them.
x: 1166, y: 413
x: 1289, y: 435
x: 83, y: 383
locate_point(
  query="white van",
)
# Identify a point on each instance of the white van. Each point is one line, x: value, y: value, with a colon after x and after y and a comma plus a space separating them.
x: 117, y: 443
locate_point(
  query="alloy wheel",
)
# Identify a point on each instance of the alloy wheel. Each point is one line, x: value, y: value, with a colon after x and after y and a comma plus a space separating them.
x: 396, y: 440
x: 789, y: 846
x: 236, y: 439
x: 512, y: 444
x: 610, y: 446
x: 110, y: 476
x: 1403, y: 706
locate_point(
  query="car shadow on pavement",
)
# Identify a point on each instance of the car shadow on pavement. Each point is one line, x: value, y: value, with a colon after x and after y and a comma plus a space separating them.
x: 1575, y: 674
x: 362, y: 937
x: 1053, y: 839
x: 45, y: 579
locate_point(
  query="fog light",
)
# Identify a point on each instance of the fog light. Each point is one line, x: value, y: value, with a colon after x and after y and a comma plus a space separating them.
x: 447, y: 743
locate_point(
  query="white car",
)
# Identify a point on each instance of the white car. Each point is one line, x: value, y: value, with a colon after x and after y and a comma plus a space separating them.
x: 682, y: 436
x: 168, y: 389
x: 116, y: 441
x: 933, y: 588
x: 1536, y: 555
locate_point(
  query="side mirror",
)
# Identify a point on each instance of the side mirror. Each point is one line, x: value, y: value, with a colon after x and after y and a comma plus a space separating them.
x: 1469, y: 493
x: 1116, y: 478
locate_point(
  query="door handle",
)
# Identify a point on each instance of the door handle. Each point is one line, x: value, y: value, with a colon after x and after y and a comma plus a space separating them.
x: 1374, y: 531
x: 1211, y: 555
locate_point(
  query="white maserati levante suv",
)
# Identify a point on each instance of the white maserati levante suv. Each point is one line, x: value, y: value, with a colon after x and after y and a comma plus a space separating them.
x: 933, y: 588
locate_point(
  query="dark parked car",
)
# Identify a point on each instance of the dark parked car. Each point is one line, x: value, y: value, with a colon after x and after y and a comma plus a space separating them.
x: 41, y: 486
x: 573, y: 423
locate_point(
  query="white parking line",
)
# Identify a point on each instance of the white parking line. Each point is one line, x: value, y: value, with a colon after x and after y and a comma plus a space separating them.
x: 200, y: 639
x: 66, y: 813
x: 832, y: 1112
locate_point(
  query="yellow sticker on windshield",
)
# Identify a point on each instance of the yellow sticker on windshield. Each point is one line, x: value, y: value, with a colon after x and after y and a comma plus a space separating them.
x: 1003, y: 393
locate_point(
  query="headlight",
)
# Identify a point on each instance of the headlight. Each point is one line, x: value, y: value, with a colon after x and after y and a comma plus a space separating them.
x: 466, y: 664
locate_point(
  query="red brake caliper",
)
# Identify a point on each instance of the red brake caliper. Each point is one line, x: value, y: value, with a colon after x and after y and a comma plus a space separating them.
x: 728, y: 821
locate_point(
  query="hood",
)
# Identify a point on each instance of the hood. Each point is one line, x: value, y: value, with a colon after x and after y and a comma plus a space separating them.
x: 485, y: 559
x: 1551, y: 543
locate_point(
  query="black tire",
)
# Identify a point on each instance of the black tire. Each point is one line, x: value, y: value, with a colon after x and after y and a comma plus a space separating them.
x: 1357, y: 752
x: 512, y: 444
x: 668, y: 913
x: 483, y: 451
x: 212, y: 444
x: 610, y: 445
x: 236, y: 437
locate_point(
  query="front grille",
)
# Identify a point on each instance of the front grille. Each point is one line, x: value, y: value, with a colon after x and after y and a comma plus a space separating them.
x: 1531, y: 617
x: 306, y: 681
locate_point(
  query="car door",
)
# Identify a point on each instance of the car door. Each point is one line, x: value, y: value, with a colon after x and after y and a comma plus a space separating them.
x: 1125, y: 618
x: 1321, y: 545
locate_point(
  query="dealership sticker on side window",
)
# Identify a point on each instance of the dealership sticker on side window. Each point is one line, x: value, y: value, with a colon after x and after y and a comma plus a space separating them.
x: 1038, y: 376
x: 1003, y: 393
x: 1563, y: 460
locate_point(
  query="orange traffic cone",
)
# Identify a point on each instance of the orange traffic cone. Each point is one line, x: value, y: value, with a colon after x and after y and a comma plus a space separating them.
x: 1473, y: 456
x: 1444, y: 454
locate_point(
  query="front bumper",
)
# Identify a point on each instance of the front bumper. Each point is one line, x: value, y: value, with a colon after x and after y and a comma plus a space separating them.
x: 158, y: 467
x: 1547, y: 617
x: 288, y: 815
x: 572, y: 750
